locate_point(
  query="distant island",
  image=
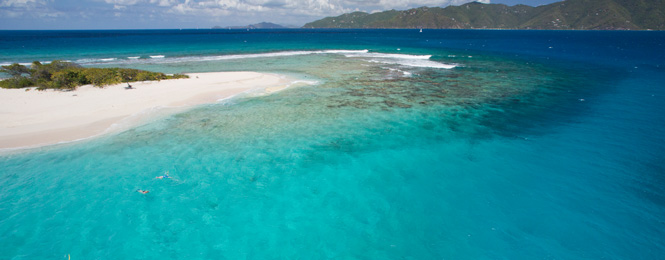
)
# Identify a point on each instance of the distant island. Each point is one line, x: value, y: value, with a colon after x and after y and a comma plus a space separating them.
x: 262, y: 25
x: 565, y: 15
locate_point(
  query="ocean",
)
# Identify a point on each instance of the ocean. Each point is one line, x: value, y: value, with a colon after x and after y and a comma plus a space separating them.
x: 445, y: 144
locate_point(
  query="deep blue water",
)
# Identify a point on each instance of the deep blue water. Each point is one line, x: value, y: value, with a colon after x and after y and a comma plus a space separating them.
x: 536, y: 145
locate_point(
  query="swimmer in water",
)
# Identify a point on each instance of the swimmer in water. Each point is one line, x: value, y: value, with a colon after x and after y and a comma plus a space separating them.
x: 165, y: 176
x: 143, y: 191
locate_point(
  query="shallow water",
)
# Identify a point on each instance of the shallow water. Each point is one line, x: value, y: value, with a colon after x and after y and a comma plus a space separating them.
x: 520, y: 151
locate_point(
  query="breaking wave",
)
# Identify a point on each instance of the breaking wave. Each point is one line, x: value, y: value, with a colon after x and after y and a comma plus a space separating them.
x: 423, y: 61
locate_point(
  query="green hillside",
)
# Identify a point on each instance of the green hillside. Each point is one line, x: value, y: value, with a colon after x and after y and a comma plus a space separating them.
x: 569, y: 14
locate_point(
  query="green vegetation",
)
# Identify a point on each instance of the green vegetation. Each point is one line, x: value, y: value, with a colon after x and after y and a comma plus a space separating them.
x: 569, y: 14
x: 67, y: 75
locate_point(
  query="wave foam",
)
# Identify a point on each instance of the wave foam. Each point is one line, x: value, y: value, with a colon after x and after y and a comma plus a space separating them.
x: 262, y: 55
x: 421, y: 61
x: 390, y: 56
x: 385, y: 58
x: 27, y: 64
x: 164, y: 59
x: 87, y: 61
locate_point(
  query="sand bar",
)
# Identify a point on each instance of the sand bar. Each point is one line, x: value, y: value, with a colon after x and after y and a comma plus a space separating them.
x: 38, y: 118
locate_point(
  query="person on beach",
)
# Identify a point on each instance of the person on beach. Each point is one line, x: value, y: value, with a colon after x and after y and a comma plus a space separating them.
x: 165, y: 176
x: 128, y: 86
x: 143, y: 191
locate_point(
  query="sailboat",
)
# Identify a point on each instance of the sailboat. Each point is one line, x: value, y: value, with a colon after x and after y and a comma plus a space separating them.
x: 421, y: 30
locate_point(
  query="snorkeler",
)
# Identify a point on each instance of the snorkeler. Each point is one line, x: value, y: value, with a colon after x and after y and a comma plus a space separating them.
x: 165, y: 176
x: 143, y: 191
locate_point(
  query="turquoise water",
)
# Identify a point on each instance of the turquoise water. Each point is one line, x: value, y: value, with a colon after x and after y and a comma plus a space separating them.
x: 521, y: 151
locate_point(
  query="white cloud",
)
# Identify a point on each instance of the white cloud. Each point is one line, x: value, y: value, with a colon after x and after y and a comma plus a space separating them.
x: 21, y: 3
x: 406, y: 4
x: 164, y: 2
x: 136, y: 2
x: 122, y: 2
x: 29, y: 8
x: 10, y: 14
x: 313, y: 8
x: 162, y: 13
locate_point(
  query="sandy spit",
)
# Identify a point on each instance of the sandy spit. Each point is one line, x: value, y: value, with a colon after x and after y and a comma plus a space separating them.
x: 39, y: 118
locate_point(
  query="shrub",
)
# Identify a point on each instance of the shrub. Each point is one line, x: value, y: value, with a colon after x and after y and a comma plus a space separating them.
x: 16, y: 82
x: 68, y: 79
x: 143, y: 76
x: 15, y: 70
x: 179, y: 76
x: 148, y: 75
x: 42, y: 85
x: 102, y: 77
x: 39, y: 72
x: 58, y: 65
x: 128, y: 75
x: 66, y: 75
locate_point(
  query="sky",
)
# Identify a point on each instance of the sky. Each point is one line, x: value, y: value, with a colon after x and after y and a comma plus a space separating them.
x: 173, y: 14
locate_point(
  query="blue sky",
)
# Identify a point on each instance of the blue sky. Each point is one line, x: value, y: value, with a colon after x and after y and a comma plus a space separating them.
x: 165, y: 14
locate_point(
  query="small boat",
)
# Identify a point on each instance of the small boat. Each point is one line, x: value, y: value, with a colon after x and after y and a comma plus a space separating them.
x: 421, y: 30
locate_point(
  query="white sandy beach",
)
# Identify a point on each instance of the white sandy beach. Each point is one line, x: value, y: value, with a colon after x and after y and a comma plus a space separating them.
x: 37, y: 118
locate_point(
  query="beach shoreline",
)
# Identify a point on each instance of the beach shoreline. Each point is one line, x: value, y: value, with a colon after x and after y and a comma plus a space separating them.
x: 30, y: 118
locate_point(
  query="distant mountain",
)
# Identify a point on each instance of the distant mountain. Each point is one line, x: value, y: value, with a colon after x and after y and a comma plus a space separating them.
x: 569, y: 14
x: 262, y: 25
